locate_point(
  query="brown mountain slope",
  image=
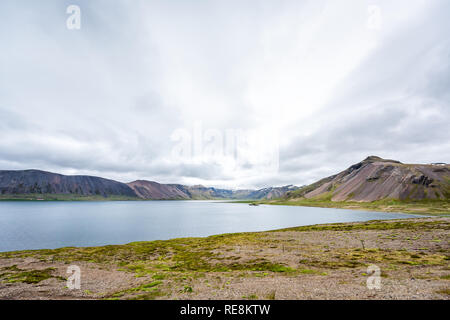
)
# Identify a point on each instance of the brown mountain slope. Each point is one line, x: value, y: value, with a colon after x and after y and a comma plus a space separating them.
x: 376, y: 179
x: 37, y: 182
x: 42, y: 185
x: 157, y: 191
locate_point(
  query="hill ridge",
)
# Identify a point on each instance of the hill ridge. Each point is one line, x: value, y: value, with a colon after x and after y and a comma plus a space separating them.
x: 39, y: 184
x: 375, y: 178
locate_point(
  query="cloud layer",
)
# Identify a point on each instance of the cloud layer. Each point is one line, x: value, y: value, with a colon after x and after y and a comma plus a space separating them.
x: 285, y: 92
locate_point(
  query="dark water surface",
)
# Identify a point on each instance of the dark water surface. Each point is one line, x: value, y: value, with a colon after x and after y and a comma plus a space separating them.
x: 53, y: 224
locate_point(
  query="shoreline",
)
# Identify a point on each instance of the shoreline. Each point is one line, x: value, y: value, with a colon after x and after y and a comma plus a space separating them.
x: 428, y: 208
x: 410, y: 216
x: 384, y: 216
x: 423, y: 207
x: 326, y: 261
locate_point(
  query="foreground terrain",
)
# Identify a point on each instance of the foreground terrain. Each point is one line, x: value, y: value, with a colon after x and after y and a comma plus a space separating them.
x: 311, y: 262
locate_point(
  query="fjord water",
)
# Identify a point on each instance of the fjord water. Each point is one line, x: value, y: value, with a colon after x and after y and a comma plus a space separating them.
x: 52, y: 224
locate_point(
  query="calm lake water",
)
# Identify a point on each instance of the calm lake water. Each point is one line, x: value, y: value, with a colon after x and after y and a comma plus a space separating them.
x: 41, y: 224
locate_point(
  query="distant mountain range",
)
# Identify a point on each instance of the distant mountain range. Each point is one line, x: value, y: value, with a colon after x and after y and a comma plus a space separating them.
x: 36, y: 184
x: 375, y: 179
x: 369, y: 180
x: 153, y: 190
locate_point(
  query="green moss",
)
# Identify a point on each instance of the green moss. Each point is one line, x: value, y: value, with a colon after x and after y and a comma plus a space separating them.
x: 150, y: 285
x: 309, y: 271
x: 148, y: 296
x: 15, y: 274
x: 271, y: 295
x: 348, y: 258
x: 149, y: 288
x: 12, y: 268
x: 373, y: 225
x: 445, y: 291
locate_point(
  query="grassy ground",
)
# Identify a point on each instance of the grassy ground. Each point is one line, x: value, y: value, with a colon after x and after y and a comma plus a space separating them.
x: 310, y: 262
x: 424, y: 207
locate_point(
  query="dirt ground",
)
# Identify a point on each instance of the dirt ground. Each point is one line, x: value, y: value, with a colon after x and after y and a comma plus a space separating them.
x: 319, y: 262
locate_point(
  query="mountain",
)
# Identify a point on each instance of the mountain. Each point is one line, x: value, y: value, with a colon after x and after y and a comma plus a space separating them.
x: 29, y: 182
x: 157, y: 191
x: 266, y: 193
x: 199, y: 192
x: 375, y: 178
x: 38, y: 184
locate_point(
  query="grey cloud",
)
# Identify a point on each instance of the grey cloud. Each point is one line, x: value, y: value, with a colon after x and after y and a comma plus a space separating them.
x: 105, y: 99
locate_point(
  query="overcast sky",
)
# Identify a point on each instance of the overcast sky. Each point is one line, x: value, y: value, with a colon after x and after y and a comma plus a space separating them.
x: 224, y: 93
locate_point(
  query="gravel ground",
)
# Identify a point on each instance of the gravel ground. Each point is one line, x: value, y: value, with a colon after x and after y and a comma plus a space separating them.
x: 320, y: 264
